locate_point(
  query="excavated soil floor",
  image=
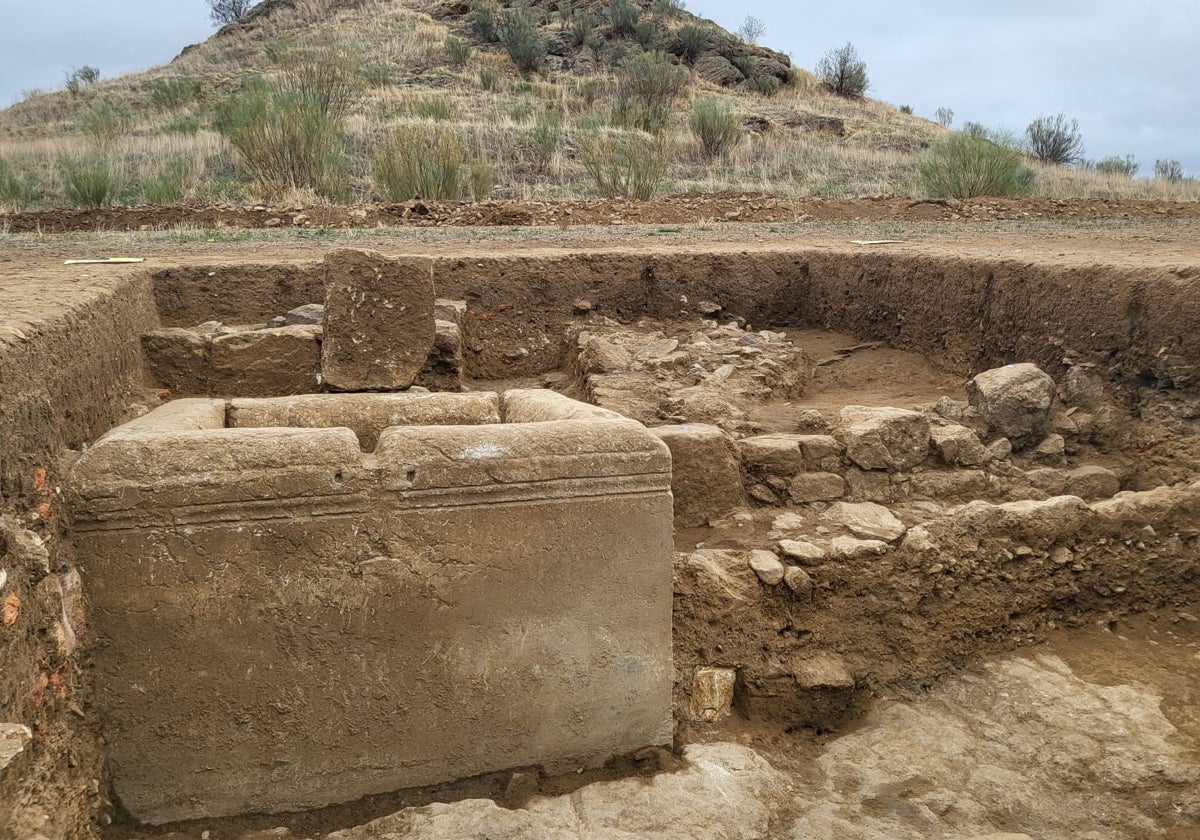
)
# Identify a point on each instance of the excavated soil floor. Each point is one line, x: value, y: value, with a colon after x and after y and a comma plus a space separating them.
x: 1090, y: 732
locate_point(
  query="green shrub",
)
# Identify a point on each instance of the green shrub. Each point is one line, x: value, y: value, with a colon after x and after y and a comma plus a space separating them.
x: 89, y: 181
x: 648, y: 85
x: 587, y: 90
x: 745, y: 65
x: 17, y: 189
x: 766, y: 85
x: 188, y: 126
x: 378, y: 75
x: 544, y: 139
x: 458, y: 51
x: 582, y: 27
x: 488, y: 80
x: 649, y: 35
x: 173, y: 93
x: 716, y: 126
x: 623, y: 164
x: 169, y: 184
x: 843, y: 72
x: 965, y: 166
x: 481, y: 179
x: 694, y: 39
x: 1125, y: 166
x: 105, y: 124
x: 419, y: 163
x: 906, y: 109
x: 669, y: 9
x: 623, y: 16
x: 287, y: 140
x: 433, y: 107
x: 1168, y: 170
x: 484, y: 21
x: 999, y: 136
x: 81, y: 76
x: 521, y: 39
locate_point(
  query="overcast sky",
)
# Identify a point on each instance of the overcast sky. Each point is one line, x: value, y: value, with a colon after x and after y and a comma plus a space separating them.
x: 1127, y: 71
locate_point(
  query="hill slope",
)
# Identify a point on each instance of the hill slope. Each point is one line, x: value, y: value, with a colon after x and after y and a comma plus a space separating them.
x: 412, y: 72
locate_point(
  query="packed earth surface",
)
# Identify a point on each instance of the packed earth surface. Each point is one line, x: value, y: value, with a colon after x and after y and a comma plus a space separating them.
x: 935, y: 473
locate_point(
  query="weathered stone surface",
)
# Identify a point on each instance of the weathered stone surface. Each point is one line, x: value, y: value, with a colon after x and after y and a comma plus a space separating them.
x: 767, y: 566
x: 309, y: 313
x: 883, y: 438
x: 378, y: 320
x: 712, y: 694
x: 966, y: 485
x: 705, y: 474
x: 454, y: 311
x: 802, y: 551
x: 443, y: 370
x: 178, y: 359
x: 1083, y: 386
x: 273, y: 362
x: 1013, y: 401
x: 958, y: 446
x: 1092, y: 482
x: 1049, y: 480
x: 367, y: 415
x: 799, y: 581
x: 816, y: 487
x: 508, y: 643
x: 775, y: 454
x: 13, y: 738
x: 869, y: 486
x: 822, y: 453
x: 822, y: 670
x: 866, y: 519
x: 723, y: 792
x: 1051, y: 450
x: 850, y: 548
x: 718, y: 70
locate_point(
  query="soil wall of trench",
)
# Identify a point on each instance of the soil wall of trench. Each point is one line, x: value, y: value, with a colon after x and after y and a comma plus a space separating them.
x: 65, y: 380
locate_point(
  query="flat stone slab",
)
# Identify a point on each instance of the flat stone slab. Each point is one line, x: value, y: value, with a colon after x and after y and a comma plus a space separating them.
x: 379, y: 315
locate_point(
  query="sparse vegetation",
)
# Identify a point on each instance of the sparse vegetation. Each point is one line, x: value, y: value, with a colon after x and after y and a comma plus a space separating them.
x: 623, y: 164
x: 669, y: 9
x: 485, y: 21
x: 481, y: 176
x: 694, y: 40
x: 169, y: 184
x: 1168, y: 170
x: 751, y: 29
x: 648, y: 85
x: 1055, y: 140
x: 521, y: 39
x: 623, y: 16
x: 545, y: 138
x: 18, y: 189
x: 418, y: 163
x: 457, y: 50
x: 173, y: 93
x: 488, y: 80
x: 968, y: 166
x: 80, y: 77
x: 843, y: 72
x: 944, y: 116
x: 105, y: 124
x: 433, y: 107
x: 1124, y: 166
x: 906, y: 109
x: 89, y: 181
x: 222, y: 12
x: 716, y: 126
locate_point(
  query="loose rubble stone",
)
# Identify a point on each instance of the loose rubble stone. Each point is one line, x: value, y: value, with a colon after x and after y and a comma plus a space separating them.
x: 767, y: 566
x: 1013, y: 401
x: 705, y: 476
x: 379, y: 318
x: 849, y: 548
x: 883, y: 438
x: 866, y: 519
x: 803, y: 551
x: 999, y: 449
x: 822, y: 453
x: 798, y: 581
x: 777, y: 454
x: 712, y: 694
x: 1092, y: 482
x: 1049, y: 480
x: 1051, y: 450
x: 817, y: 487
x: 948, y: 408
x: 1083, y: 386
x: 454, y: 311
x: 13, y: 738
x: 958, y: 445
x: 822, y: 670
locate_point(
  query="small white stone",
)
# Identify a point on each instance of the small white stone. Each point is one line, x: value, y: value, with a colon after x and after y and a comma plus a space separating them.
x: 767, y: 566
x: 802, y: 550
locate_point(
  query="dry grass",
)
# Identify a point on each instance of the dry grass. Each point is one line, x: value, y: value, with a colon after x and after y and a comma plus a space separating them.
x: 410, y: 83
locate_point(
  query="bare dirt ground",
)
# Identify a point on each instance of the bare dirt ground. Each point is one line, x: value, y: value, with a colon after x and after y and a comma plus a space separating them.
x: 883, y: 776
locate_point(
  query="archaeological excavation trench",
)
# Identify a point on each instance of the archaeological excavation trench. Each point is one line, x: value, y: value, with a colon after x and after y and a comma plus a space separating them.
x: 281, y: 537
